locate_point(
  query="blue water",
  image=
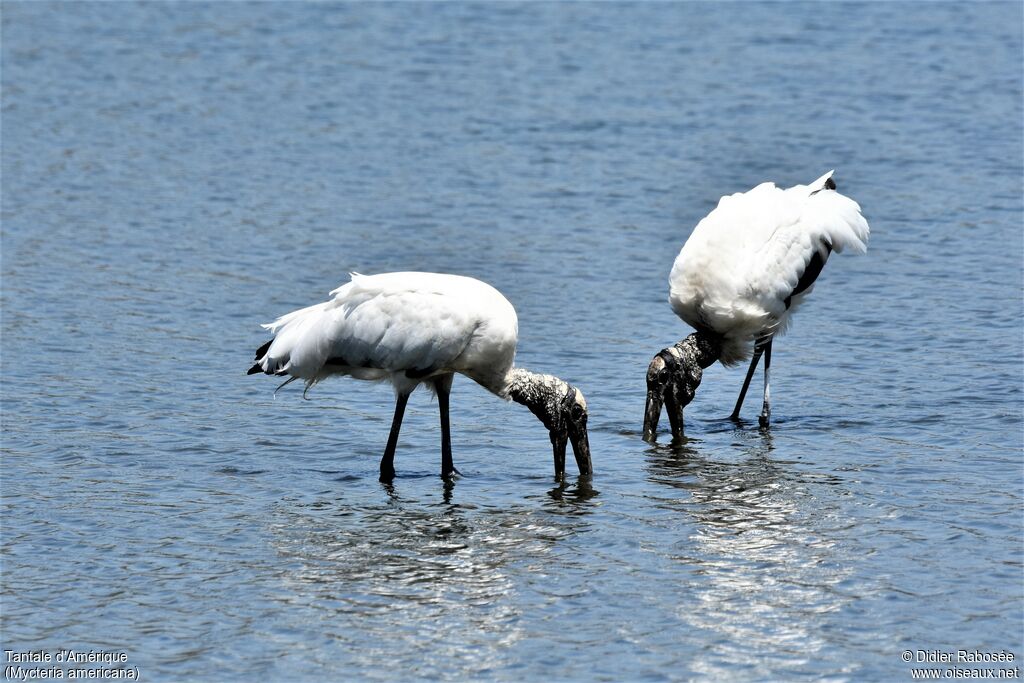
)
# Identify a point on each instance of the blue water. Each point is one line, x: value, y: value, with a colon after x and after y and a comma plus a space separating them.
x: 175, y: 174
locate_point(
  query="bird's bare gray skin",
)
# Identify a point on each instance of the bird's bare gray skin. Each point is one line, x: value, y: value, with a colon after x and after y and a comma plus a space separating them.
x: 673, y: 377
x: 562, y: 409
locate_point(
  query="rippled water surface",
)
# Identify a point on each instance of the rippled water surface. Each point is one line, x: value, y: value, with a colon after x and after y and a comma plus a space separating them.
x: 175, y: 174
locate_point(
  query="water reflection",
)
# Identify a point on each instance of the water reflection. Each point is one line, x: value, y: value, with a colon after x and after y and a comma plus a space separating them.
x: 763, y: 559
x: 440, y: 575
x: 573, y: 499
x: 447, y: 490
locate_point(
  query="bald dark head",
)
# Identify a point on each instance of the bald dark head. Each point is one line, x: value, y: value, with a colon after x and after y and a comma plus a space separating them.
x: 673, y: 377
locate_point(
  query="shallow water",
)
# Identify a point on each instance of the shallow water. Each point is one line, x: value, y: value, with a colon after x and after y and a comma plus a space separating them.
x: 175, y: 174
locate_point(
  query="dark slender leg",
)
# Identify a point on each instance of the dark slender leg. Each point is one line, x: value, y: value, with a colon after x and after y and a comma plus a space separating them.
x: 387, y: 463
x: 766, y: 410
x: 443, y: 386
x: 758, y: 349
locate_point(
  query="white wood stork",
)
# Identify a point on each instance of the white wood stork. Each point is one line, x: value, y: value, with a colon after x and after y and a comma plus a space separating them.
x: 411, y: 328
x: 745, y: 269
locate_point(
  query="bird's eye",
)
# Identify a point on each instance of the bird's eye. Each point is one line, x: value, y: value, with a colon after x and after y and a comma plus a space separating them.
x: 577, y: 411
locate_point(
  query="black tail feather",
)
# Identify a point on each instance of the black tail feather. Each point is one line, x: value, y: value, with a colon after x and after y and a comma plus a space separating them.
x: 254, y: 369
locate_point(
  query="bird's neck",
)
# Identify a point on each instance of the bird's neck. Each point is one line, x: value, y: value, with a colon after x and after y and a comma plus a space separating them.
x: 540, y: 393
x: 699, y: 349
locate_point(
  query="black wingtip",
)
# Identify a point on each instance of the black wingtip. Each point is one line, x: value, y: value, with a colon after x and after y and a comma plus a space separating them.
x: 830, y: 184
x: 262, y: 351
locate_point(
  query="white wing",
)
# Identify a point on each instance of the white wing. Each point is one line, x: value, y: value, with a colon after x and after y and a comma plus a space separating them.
x: 395, y: 324
x: 739, y: 273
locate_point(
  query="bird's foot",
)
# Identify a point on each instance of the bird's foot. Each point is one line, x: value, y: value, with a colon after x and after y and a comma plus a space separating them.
x: 764, y: 419
x: 386, y: 475
x: 451, y: 475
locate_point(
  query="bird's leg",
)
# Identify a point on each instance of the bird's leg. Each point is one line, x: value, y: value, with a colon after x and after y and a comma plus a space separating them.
x: 766, y: 410
x: 443, y: 387
x: 387, y: 462
x: 758, y: 350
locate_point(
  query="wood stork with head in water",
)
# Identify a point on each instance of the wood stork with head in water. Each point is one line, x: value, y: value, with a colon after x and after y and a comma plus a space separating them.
x: 745, y: 269
x: 413, y: 328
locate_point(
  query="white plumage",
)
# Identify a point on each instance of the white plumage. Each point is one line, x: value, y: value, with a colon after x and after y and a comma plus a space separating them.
x: 393, y: 325
x: 411, y: 328
x: 739, y: 277
x: 741, y: 263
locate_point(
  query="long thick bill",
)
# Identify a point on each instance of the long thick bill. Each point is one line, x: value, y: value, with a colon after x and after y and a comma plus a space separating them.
x: 581, y: 449
x: 652, y: 413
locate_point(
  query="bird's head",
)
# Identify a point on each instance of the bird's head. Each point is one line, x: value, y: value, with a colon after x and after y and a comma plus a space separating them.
x: 562, y: 409
x: 672, y: 381
x: 564, y: 413
x: 572, y: 424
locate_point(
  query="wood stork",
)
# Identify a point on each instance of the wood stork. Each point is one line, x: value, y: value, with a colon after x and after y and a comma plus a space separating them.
x: 745, y: 269
x: 413, y: 328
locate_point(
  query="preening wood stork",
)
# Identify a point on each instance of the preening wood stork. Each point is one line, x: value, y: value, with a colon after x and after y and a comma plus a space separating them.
x: 411, y: 328
x: 745, y: 269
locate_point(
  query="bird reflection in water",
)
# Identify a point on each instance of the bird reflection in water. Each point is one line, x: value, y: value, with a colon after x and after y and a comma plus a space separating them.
x: 760, y: 532
x: 434, y: 584
x: 448, y: 488
x: 573, y: 499
x: 571, y: 496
